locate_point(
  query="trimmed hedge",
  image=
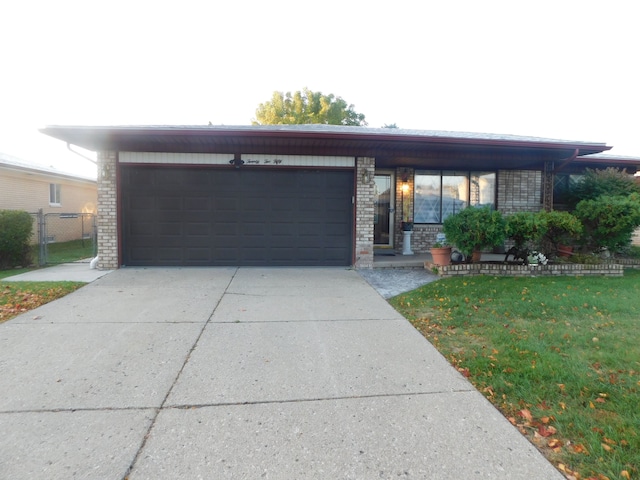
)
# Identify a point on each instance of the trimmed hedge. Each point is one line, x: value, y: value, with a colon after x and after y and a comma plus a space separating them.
x: 16, y: 227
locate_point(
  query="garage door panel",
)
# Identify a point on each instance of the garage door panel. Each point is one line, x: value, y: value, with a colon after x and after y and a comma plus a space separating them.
x: 207, y: 216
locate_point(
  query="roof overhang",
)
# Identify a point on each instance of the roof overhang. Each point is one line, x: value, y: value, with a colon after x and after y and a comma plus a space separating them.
x: 390, y: 147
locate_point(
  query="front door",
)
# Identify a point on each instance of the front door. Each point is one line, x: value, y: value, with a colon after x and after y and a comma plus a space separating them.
x: 384, y: 199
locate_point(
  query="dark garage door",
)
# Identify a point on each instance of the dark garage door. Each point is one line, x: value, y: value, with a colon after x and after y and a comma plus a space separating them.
x: 213, y: 216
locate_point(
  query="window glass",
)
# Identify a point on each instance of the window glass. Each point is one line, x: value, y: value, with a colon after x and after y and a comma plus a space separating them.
x: 483, y: 189
x: 54, y: 193
x: 562, y: 185
x: 439, y: 194
x: 455, y: 191
x: 427, y: 201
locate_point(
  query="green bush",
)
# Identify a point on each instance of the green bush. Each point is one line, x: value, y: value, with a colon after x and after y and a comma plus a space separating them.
x: 526, y: 229
x: 609, y: 221
x: 15, y: 232
x: 474, y: 228
x: 609, y: 181
x: 562, y: 228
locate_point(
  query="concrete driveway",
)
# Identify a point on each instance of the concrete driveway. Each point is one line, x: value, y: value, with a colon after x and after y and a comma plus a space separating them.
x: 279, y: 373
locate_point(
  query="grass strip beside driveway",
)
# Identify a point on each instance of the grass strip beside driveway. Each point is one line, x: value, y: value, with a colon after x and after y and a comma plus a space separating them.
x: 559, y: 357
x: 20, y: 297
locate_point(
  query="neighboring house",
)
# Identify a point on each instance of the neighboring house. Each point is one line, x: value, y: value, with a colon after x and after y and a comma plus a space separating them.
x: 308, y: 194
x: 31, y: 187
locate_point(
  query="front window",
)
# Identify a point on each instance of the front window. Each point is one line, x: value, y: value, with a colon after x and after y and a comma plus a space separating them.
x: 439, y: 194
x: 54, y: 194
x: 563, y: 183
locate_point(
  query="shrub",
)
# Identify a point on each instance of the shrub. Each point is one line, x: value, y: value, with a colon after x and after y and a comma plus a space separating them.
x: 561, y: 228
x: 525, y: 228
x: 610, y: 181
x: 474, y: 228
x: 15, y: 232
x: 609, y: 221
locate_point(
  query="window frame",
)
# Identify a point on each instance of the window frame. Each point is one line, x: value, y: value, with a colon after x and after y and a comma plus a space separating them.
x: 467, y: 200
x: 55, y: 193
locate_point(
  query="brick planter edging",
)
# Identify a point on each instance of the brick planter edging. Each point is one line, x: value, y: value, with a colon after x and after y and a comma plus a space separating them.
x: 506, y: 270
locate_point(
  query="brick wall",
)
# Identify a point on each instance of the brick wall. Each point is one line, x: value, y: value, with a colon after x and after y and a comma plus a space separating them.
x: 502, y: 270
x: 107, y: 211
x: 519, y: 191
x: 365, y: 169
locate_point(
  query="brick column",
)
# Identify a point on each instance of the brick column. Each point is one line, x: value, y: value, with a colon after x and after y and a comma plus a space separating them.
x: 107, y: 211
x: 365, y: 170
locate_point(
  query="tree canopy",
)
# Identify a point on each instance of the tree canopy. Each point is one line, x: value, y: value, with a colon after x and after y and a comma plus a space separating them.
x: 304, y: 107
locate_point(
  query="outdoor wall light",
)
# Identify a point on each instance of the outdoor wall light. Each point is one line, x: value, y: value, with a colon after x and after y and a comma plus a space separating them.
x: 366, y: 176
x: 405, y: 181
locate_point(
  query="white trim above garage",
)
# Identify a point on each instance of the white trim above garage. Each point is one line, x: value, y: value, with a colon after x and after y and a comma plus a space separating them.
x: 165, y: 158
x: 176, y: 158
x: 299, y: 160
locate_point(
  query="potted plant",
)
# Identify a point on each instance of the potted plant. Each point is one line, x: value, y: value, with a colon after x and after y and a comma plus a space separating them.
x: 475, y: 228
x: 407, y: 226
x: 441, y: 253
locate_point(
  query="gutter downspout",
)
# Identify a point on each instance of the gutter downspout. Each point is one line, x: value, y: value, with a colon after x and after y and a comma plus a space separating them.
x: 567, y: 161
x: 80, y: 154
x: 94, y: 261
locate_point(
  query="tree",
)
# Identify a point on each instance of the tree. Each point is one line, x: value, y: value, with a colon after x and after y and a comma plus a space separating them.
x: 304, y: 107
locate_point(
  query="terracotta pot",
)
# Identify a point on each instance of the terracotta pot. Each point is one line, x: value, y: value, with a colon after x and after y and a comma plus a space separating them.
x: 565, y: 251
x: 475, y: 256
x: 441, y: 256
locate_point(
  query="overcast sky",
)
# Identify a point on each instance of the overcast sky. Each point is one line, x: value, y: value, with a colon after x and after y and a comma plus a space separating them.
x: 557, y: 69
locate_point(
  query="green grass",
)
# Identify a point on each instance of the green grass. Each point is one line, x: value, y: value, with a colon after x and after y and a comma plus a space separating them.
x: 17, y: 298
x: 66, y: 252
x: 560, y: 357
x: 12, y: 272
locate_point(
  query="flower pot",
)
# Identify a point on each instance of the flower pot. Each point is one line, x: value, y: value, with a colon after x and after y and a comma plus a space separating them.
x: 476, y: 256
x: 441, y: 256
x: 564, y: 250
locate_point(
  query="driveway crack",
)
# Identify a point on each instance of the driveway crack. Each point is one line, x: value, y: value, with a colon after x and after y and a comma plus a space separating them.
x: 175, y: 380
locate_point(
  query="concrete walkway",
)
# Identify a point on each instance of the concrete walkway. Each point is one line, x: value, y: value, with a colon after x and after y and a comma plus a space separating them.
x: 279, y: 373
x: 70, y: 272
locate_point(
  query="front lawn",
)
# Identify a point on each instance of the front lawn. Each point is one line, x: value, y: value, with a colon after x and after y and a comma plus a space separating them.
x: 560, y: 357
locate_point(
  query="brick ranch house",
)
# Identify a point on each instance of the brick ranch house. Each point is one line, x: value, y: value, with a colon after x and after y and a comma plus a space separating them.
x: 308, y: 194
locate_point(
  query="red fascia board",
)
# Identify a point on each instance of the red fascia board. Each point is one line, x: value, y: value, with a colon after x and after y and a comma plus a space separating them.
x: 112, y: 133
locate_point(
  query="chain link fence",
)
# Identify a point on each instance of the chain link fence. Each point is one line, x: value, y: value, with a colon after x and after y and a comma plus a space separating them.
x: 64, y: 237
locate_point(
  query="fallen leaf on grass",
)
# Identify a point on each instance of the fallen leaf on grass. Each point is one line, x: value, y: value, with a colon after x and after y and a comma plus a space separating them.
x: 625, y: 474
x: 526, y: 414
x: 579, y: 448
x: 545, y: 431
x: 606, y: 447
x: 555, y: 444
